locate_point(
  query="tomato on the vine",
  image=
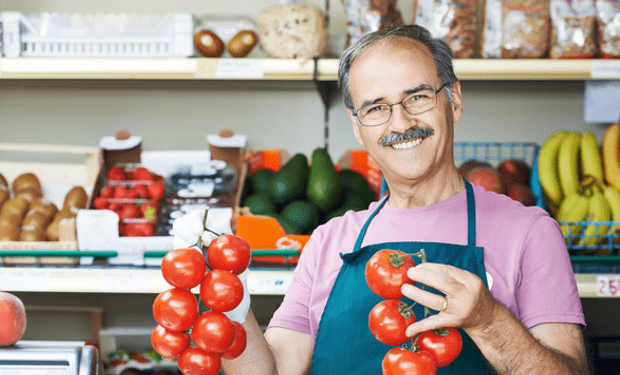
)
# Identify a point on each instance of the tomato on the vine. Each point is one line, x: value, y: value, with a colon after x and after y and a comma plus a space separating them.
x: 239, y: 343
x: 401, y: 361
x: 169, y: 344
x: 184, y: 268
x: 388, y: 321
x: 175, y: 309
x: 195, y: 361
x: 386, y: 272
x: 443, y: 344
x: 213, y: 332
x: 221, y: 290
x: 229, y: 252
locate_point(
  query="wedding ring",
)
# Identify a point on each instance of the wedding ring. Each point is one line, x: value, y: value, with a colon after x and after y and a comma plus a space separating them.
x: 445, y: 304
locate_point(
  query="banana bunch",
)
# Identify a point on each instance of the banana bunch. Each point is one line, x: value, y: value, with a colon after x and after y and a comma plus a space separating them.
x: 581, y: 185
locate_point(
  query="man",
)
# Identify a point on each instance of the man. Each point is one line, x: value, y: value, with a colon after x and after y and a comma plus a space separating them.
x: 502, y: 269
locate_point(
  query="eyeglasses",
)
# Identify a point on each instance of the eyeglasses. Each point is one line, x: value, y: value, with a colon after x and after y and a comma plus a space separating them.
x: 414, y: 104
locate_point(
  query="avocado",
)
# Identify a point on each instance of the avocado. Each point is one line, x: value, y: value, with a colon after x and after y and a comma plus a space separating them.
x: 355, y: 184
x: 259, y: 204
x: 325, y: 187
x: 289, y: 183
x: 288, y: 226
x: 302, y: 213
x: 259, y: 180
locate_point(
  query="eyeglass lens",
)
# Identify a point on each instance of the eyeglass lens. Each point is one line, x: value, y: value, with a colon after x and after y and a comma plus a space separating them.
x: 414, y: 104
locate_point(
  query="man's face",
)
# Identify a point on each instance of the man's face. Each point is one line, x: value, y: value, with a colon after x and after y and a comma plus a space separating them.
x: 386, y: 72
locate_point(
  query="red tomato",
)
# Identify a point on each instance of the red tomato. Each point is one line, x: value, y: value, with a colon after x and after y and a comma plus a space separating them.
x: 12, y: 319
x: 175, y: 309
x: 389, y: 320
x: 386, y: 272
x: 221, y: 290
x: 169, y: 344
x: 229, y: 252
x: 401, y: 361
x: 443, y: 344
x: 184, y: 268
x: 239, y: 343
x: 213, y: 332
x: 195, y: 361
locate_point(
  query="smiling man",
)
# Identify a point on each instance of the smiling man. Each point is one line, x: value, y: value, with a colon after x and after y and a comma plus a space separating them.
x: 499, y: 271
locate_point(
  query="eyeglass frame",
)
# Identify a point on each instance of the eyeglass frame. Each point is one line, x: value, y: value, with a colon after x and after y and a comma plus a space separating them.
x: 356, y: 111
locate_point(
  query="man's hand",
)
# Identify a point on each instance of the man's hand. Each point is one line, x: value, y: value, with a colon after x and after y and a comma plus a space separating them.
x: 467, y: 304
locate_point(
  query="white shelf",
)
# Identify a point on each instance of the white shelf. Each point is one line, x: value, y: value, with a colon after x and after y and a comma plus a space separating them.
x: 287, y: 69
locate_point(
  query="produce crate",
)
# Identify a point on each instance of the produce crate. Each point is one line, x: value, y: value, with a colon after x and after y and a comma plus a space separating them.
x: 266, y: 233
x: 75, y: 35
x: 56, y: 180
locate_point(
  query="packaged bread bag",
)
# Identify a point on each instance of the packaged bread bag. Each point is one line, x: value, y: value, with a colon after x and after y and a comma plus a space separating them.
x: 515, y: 29
x: 455, y: 22
x: 366, y: 16
x: 608, y: 19
x: 573, y: 29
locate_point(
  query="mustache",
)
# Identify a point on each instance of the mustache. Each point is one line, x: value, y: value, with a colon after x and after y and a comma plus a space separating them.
x: 412, y: 133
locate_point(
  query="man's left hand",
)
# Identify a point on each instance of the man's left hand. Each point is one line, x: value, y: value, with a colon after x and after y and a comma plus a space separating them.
x: 467, y: 304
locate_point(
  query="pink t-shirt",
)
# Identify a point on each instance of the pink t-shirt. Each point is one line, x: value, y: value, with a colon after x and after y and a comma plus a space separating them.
x: 527, y: 264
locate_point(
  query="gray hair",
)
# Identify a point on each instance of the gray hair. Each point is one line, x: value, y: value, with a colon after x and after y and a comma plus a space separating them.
x: 442, y: 54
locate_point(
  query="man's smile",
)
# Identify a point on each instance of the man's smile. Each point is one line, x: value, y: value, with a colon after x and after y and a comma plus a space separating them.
x: 407, y: 144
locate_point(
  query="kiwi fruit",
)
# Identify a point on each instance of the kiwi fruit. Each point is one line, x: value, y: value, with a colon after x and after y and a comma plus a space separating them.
x: 36, y: 219
x: 76, y: 197
x: 31, y: 233
x: 44, y: 206
x: 25, y: 180
x: 208, y: 44
x: 30, y: 194
x: 17, y: 206
x: 52, y: 230
x: 242, y: 43
x: 9, y: 233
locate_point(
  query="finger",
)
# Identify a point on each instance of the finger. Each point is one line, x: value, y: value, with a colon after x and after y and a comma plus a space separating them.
x: 423, y: 297
x: 431, y: 277
x: 180, y: 243
x: 427, y: 324
x: 445, y: 269
x: 183, y: 230
x: 194, y: 220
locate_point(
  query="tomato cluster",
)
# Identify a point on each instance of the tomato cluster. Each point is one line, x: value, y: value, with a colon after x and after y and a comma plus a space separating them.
x: 386, y: 273
x: 176, y: 310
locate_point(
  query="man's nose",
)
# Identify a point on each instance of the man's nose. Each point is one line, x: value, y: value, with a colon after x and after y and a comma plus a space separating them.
x: 401, y: 119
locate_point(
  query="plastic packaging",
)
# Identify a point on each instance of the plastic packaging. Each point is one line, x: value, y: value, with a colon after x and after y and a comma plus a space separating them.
x: 515, y: 29
x: 453, y: 21
x: 573, y: 25
x: 608, y: 19
x: 366, y: 16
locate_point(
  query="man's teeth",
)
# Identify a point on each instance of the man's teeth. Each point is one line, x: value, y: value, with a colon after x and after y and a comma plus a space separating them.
x: 403, y: 145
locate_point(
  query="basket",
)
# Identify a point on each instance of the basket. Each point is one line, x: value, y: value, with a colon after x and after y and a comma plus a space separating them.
x: 74, y: 35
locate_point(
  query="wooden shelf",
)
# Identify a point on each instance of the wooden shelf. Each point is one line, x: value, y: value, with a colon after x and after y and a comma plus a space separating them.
x: 287, y: 69
x: 150, y: 281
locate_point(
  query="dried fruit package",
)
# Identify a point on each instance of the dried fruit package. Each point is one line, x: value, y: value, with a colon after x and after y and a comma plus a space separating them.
x: 453, y: 21
x: 608, y: 19
x: 515, y: 29
x: 573, y: 24
x: 365, y: 16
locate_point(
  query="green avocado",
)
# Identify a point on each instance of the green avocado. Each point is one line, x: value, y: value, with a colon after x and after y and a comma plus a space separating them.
x: 259, y: 180
x: 356, y: 187
x: 259, y: 204
x: 302, y: 213
x: 325, y: 189
x: 288, y: 226
x: 289, y: 183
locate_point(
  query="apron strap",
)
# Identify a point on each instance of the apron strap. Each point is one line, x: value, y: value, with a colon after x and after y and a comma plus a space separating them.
x: 360, y: 237
x: 471, y: 215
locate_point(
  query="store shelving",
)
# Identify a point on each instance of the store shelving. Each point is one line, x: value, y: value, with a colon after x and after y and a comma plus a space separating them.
x: 287, y: 69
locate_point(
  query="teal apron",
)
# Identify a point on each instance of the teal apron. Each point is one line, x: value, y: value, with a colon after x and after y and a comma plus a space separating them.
x: 344, y: 343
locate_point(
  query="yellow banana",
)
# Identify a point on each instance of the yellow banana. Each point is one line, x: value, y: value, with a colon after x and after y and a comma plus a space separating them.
x: 598, y: 211
x: 548, y: 168
x: 591, y: 163
x: 568, y: 164
x: 574, y: 208
x: 613, y: 198
x: 611, y: 155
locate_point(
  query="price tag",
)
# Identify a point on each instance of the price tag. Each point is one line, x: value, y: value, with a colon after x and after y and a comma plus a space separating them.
x: 239, y: 68
x: 24, y: 280
x: 608, y: 286
x: 123, y: 281
x: 605, y: 69
x: 275, y: 283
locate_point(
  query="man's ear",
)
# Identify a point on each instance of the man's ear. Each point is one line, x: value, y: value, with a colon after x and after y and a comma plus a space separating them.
x: 457, y: 102
x: 356, y: 126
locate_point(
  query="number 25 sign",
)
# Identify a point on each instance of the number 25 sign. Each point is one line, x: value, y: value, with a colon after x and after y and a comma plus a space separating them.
x: 608, y: 285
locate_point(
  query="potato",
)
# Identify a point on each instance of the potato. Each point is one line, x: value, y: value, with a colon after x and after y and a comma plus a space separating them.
x: 208, y: 44
x: 9, y: 233
x: 31, y: 233
x: 30, y: 194
x: 44, y: 206
x: 36, y: 219
x: 10, y: 220
x: 66, y: 213
x: 52, y: 230
x: 242, y: 43
x: 76, y: 197
x: 25, y: 180
x: 17, y: 206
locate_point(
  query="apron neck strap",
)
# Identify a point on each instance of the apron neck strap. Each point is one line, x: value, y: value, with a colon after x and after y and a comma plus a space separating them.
x: 471, y: 218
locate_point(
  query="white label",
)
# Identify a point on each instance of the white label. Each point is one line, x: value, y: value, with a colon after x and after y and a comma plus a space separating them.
x: 601, y: 102
x: 608, y: 285
x: 18, y: 280
x: 269, y: 282
x: 424, y: 15
x: 605, y: 69
x: 97, y: 230
x: 21, y: 370
x: 493, y: 29
x: 239, y: 68
x: 122, y: 281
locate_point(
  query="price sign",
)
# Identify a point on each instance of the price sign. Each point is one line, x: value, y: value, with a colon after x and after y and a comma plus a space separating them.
x: 275, y: 283
x: 24, y: 280
x: 119, y: 281
x: 239, y: 68
x: 608, y: 286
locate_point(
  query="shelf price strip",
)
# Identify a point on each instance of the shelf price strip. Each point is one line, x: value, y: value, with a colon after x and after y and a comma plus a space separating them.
x: 608, y: 286
x: 123, y: 281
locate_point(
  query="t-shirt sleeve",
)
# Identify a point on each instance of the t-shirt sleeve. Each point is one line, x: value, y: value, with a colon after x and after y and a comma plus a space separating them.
x: 547, y: 291
x: 294, y: 312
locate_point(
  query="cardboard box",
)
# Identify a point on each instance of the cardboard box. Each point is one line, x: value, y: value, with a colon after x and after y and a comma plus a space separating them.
x: 56, y: 180
x: 266, y: 233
